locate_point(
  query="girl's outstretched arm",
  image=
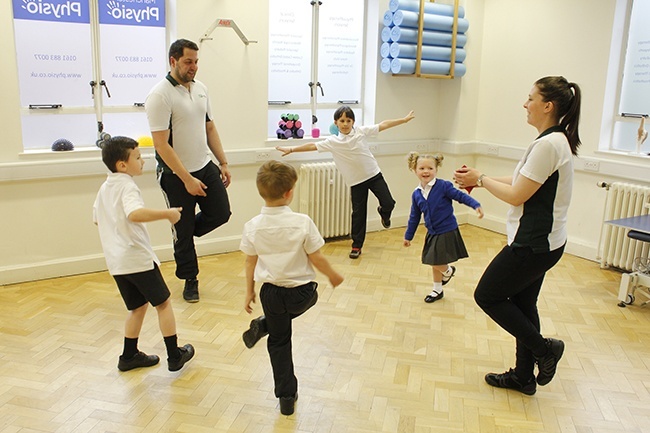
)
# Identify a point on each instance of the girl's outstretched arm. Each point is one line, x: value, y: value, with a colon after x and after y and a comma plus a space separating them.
x: 307, y: 147
x: 385, y: 124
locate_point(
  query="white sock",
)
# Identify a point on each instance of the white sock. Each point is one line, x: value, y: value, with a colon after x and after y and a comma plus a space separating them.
x: 437, y: 289
x: 448, y: 271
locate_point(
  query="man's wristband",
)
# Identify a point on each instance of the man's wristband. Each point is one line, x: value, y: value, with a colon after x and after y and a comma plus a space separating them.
x: 223, y: 163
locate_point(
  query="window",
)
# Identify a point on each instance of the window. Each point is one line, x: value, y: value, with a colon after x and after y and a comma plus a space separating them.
x: 86, y: 66
x: 316, y: 60
x: 628, y: 81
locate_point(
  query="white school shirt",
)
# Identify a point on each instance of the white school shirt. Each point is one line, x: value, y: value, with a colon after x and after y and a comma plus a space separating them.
x: 427, y: 189
x: 352, y: 154
x: 281, y: 239
x: 126, y: 244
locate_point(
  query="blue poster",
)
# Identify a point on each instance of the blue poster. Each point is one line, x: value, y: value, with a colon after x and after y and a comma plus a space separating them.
x: 52, y: 10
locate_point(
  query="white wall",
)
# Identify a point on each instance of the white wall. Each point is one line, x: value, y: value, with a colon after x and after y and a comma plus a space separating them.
x: 46, y: 214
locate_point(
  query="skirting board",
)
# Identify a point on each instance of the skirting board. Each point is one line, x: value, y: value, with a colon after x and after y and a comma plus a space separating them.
x: 96, y: 263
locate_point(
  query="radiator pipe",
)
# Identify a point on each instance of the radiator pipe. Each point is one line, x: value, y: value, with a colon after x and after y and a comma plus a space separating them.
x: 606, y: 185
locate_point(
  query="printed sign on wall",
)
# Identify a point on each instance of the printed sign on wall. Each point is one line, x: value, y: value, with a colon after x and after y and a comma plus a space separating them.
x: 53, y: 52
x: 340, y: 50
x: 132, y: 46
x: 635, y: 92
x: 290, y: 50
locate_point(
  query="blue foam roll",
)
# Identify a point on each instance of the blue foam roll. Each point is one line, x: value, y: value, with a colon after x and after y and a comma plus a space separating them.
x: 407, y: 66
x: 410, y: 51
x: 385, y: 34
x: 385, y: 65
x: 388, y: 18
x: 431, y: 22
x: 410, y: 36
x: 429, y: 8
x: 384, y: 50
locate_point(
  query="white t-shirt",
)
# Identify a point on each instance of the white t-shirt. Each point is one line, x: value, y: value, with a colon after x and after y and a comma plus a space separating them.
x: 281, y: 239
x: 352, y: 154
x: 126, y: 244
x: 188, y: 111
x: 541, y: 221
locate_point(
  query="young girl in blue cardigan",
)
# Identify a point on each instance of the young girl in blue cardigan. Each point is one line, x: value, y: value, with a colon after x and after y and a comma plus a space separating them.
x: 432, y: 198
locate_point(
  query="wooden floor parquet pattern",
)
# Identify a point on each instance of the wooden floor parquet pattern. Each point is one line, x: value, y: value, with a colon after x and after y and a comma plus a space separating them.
x: 371, y: 356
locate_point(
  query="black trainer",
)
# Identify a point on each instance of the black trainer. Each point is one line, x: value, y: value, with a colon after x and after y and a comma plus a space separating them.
x: 187, y: 353
x: 509, y: 380
x: 446, y: 278
x: 191, y: 290
x: 138, y: 360
x: 355, y: 253
x: 384, y: 221
x: 547, y: 364
x: 287, y: 404
x: 256, y: 331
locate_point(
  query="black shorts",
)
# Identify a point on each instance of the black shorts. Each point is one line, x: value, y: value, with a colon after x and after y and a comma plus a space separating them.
x: 142, y: 287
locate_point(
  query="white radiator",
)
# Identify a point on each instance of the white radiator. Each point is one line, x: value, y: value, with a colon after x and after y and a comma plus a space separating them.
x: 624, y: 200
x: 325, y: 197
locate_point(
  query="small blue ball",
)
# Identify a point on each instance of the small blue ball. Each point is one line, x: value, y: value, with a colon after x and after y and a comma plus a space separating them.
x: 334, y: 130
x: 62, y: 144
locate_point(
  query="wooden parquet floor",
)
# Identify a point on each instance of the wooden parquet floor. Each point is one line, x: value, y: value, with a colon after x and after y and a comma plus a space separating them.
x: 371, y: 356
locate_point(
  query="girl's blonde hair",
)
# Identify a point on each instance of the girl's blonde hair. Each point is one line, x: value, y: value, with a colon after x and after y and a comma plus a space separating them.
x: 413, y: 157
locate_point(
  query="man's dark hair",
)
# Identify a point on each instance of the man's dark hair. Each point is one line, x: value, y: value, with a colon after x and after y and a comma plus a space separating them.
x: 177, y: 47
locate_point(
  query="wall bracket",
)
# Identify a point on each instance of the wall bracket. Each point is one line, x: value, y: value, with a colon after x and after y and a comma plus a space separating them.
x: 225, y: 22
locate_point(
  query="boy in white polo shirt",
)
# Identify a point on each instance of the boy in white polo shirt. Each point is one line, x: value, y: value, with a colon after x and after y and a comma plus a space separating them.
x: 120, y: 215
x: 281, y: 248
x: 359, y: 168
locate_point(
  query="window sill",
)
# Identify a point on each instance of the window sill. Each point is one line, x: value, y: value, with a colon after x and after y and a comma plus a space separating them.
x: 623, y: 154
x: 46, y: 164
x: 80, y: 152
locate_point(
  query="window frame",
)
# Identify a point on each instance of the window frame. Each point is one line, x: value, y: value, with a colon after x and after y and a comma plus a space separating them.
x: 364, y: 107
x: 612, y: 120
x: 98, y: 106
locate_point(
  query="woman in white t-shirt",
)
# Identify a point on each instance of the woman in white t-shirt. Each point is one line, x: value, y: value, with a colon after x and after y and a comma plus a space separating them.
x: 539, y: 193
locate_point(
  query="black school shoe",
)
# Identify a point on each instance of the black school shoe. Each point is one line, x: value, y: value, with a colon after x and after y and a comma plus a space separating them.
x: 138, y: 360
x: 287, y: 404
x: 191, y: 290
x: 547, y: 364
x: 429, y: 298
x: 187, y: 353
x: 445, y: 278
x: 510, y: 380
x: 255, y: 332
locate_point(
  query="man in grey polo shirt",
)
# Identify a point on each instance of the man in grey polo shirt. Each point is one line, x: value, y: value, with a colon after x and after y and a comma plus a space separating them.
x: 183, y: 130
